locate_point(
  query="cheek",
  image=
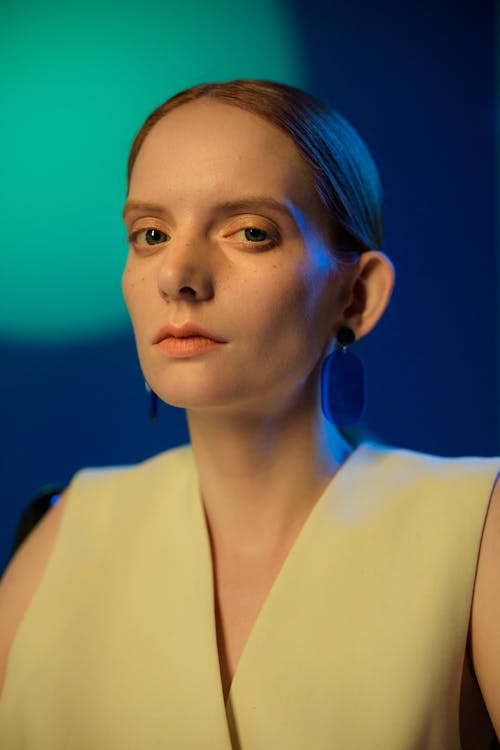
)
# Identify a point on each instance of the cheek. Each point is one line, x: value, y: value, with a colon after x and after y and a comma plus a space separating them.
x: 309, y: 295
x: 294, y: 313
x: 134, y: 300
x: 127, y: 281
x: 132, y: 290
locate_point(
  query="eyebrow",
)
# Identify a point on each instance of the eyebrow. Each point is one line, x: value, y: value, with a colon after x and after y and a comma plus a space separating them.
x: 154, y: 208
x: 242, y: 204
x: 257, y: 202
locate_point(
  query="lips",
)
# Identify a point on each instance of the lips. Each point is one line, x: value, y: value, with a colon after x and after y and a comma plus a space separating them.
x: 186, y: 341
x: 185, y: 331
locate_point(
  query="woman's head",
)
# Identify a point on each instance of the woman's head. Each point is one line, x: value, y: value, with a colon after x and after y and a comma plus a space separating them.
x: 344, y: 175
x: 232, y: 280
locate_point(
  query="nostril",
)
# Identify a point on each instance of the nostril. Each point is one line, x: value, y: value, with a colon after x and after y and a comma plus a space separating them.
x: 187, y: 291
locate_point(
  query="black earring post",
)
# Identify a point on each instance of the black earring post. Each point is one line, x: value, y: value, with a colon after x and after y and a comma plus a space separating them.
x: 345, y: 337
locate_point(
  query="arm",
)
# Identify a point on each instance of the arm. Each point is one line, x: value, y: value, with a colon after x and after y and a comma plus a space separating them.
x: 485, y: 622
x: 22, y: 577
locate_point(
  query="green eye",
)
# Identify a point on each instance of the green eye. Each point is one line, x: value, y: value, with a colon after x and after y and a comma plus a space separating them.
x: 253, y: 234
x: 149, y: 237
x: 263, y: 239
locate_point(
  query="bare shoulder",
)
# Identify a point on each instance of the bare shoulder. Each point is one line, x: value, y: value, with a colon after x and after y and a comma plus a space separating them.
x: 22, y: 577
x: 485, y: 622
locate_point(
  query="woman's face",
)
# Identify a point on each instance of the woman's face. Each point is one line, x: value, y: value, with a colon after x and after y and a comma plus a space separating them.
x: 231, y: 287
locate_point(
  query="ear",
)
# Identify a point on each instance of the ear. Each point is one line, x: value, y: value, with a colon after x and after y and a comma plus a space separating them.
x: 371, y: 287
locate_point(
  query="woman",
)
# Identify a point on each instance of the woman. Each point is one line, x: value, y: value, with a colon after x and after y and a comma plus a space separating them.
x: 268, y: 587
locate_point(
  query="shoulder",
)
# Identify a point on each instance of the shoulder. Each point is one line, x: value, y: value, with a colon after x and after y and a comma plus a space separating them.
x: 465, y: 494
x: 110, y: 490
x: 455, y: 481
x: 27, y: 567
x: 419, y: 460
x: 444, y: 500
x: 168, y: 466
x: 485, y: 620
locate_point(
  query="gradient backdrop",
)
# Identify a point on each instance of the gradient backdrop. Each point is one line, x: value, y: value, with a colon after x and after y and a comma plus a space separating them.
x: 417, y: 79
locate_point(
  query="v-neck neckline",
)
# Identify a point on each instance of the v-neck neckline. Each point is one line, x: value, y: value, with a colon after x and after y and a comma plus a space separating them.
x: 294, y: 551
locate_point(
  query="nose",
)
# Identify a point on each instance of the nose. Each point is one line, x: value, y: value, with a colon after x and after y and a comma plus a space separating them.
x: 186, y: 270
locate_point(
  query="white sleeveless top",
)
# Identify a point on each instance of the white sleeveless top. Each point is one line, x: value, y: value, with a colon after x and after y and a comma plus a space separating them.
x: 359, y: 645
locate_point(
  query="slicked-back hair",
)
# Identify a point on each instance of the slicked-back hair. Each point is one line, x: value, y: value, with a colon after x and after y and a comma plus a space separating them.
x: 345, y: 177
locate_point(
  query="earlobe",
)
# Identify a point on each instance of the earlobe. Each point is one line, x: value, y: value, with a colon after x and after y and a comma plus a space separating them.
x: 371, y: 291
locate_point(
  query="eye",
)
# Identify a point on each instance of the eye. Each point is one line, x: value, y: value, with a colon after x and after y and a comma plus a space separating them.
x: 256, y: 236
x: 150, y: 236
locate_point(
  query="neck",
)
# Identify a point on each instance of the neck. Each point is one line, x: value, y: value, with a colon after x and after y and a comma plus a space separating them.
x: 260, y: 476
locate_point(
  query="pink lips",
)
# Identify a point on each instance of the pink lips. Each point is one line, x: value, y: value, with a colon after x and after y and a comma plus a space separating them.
x: 185, y: 341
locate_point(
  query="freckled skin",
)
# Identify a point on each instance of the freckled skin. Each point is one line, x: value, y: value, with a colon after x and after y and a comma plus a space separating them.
x: 276, y: 307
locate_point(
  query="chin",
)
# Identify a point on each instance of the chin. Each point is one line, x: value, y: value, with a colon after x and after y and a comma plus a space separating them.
x: 195, y: 397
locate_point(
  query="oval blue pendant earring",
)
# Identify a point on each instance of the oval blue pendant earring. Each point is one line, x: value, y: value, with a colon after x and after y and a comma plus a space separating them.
x: 343, y: 390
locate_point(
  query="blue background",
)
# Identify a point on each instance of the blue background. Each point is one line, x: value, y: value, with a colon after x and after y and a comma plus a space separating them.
x: 417, y: 79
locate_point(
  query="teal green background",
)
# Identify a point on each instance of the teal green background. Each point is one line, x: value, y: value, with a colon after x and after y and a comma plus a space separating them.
x: 78, y: 79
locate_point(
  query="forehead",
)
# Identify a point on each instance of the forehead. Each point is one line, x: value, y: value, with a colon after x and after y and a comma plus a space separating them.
x: 206, y: 146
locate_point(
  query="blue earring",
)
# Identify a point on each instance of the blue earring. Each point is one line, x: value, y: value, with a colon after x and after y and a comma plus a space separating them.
x: 343, y: 383
x: 153, y: 402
